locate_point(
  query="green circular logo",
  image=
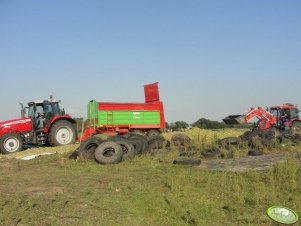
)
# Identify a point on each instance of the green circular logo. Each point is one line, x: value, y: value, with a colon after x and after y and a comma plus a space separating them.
x: 282, y: 215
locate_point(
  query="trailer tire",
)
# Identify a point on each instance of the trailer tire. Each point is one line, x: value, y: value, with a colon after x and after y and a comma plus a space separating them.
x: 108, y: 152
x: 62, y: 132
x: 88, y: 147
x: 10, y: 143
x: 187, y: 161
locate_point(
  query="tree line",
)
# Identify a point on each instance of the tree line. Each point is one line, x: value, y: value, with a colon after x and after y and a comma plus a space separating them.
x: 202, y: 123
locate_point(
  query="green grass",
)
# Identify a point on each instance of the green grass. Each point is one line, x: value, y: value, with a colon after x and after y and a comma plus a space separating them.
x: 150, y: 190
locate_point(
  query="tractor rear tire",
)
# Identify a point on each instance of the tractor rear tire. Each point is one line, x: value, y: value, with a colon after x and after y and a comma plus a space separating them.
x: 108, y: 152
x: 296, y: 128
x: 62, y: 133
x: 10, y: 143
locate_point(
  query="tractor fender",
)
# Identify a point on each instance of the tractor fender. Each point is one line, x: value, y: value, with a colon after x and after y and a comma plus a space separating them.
x: 56, y: 119
x: 9, y: 130
x: 293, y: 121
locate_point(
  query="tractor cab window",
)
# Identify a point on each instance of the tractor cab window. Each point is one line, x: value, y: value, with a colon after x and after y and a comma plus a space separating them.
x: 56, y: 109
x: 275, y: 112
x: 48, y: 111
x: 30, y: 111
x: 294, y: 113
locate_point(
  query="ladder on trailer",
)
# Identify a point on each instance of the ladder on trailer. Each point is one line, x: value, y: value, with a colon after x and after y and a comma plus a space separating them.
x: 110, y: 121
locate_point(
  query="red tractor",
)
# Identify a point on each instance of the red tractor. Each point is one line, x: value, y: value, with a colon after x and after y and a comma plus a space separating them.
x: 42, y: 122
x: 284, y: 117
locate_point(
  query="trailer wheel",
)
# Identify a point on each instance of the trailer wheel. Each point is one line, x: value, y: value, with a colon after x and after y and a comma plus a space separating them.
x: 10, y: 143
x: 296, y: 128
x: 62, y: 133
x: 108, y: 153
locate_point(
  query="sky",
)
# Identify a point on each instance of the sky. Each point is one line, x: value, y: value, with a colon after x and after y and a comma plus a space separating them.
x: 211, y: 58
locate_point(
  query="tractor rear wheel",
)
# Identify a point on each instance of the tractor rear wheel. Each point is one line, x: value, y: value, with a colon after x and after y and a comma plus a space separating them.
x: 10, y: 143
x: 296, y: 128
x: 62, y: 133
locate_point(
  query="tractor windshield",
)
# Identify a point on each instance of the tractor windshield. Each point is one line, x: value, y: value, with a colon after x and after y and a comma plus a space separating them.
x: 275, y: 112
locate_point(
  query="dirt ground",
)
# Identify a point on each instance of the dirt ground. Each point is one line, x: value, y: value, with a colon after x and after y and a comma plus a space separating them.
x: 246, y: 163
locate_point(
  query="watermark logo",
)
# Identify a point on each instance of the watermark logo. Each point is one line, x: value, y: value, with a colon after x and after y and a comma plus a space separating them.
x: 282, y: 215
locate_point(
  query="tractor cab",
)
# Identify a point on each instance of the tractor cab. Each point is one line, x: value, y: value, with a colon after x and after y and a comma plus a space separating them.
x: 285, y: 114
x: 41, y: 112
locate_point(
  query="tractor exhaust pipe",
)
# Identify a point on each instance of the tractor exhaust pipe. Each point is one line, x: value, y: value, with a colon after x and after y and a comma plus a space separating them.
x: 234, y: 120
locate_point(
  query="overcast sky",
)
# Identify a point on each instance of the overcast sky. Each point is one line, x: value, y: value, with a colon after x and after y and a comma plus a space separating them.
x: 211, y: 58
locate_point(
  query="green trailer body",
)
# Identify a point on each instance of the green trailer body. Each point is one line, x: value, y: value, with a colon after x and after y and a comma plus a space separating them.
x: 112, y: 117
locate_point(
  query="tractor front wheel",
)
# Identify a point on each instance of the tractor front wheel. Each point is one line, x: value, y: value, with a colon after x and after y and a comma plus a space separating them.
x: 10, y: 143
x: 296, y: 128
x: 62, y: 133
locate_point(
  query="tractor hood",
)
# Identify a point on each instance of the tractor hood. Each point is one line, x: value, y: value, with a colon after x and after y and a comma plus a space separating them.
x: 21, y: 125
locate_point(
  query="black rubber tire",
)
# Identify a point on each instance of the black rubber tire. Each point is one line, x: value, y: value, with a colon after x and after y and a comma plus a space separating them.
x: 210, y: 152
x: 127, y: 148
x: 296, y: 128
x: 187, y: 161
x: 228, y: 154
x: 137, y: 132
x: 74, y: 154
x: 153, y: 132
x: 156, y: 142
x: 186, y: 154
x: 138, y: 145
x: 56, y: 128
x: 226, y: 142
x: 143, y: 143
x: 12, y: 139
x: 255, y: 152
x: 88, y: 147
x: 108, y: 152
x: 180, y: 139
x: 250, y: 134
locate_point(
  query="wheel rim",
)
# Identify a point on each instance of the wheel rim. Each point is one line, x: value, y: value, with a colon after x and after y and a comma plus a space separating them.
x: 11, y: 144
x: 64, y: 135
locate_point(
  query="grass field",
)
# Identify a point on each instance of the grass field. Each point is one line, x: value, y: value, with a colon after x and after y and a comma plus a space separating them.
x: 149, y: 190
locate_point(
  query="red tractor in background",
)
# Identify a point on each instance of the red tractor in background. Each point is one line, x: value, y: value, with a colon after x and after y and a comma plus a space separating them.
x: 42, y: 122
x: 283, y: 117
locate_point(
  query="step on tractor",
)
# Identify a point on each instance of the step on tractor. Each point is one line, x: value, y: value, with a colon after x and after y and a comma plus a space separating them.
x: 284, y: 118
x: 41, y: 122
